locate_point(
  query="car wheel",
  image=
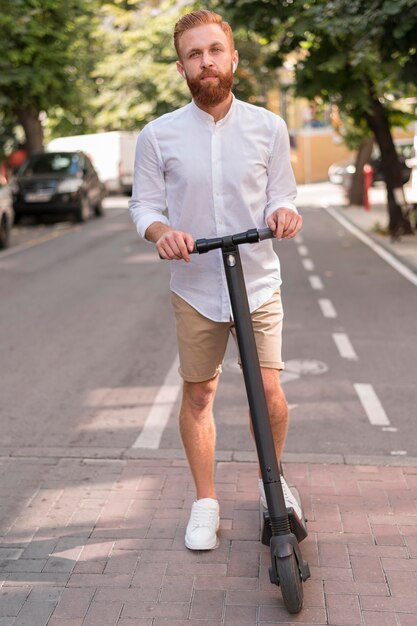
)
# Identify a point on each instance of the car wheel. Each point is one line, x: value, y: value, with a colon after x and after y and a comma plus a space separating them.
x: 83, y: 210
x: 5, y: 228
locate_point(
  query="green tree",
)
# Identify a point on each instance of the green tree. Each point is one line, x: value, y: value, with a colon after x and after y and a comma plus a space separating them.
x: 137, y: 79
x: 47, y: 52
x: 358, y: 54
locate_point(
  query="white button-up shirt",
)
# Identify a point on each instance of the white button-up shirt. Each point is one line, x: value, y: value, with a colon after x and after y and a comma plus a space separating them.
x: 214, y: 179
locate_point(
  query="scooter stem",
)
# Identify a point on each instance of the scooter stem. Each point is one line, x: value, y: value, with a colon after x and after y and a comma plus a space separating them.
x: 254, y: 386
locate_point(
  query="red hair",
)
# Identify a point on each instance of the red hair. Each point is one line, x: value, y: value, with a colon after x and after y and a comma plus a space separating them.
x: 199, y: 18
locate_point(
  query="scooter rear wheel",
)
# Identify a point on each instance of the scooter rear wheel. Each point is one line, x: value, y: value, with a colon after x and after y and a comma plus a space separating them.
x: 290, y: 582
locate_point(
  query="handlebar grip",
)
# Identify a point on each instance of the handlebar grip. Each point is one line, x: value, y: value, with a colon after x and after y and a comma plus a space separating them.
x: 265, y: 233
x: 205, y: 245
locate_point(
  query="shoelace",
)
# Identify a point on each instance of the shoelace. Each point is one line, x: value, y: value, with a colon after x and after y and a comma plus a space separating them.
x: 203, y: 517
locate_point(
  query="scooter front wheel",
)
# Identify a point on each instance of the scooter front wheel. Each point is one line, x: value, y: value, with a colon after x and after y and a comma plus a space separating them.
x: 289, y: 578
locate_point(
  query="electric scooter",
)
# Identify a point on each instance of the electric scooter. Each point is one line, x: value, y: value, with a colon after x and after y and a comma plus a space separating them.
x: 281, y: 528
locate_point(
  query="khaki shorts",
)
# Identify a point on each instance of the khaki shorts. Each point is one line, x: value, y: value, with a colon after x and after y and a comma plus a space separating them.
x: 202, y: 343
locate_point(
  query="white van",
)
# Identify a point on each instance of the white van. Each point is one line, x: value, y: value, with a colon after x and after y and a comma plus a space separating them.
x: 112, y: 154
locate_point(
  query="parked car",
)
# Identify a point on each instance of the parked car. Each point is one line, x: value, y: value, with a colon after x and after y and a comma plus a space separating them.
x: 342, y: 173
x: 112, y: 154
x: 6, y: 212
x: 57, y: 183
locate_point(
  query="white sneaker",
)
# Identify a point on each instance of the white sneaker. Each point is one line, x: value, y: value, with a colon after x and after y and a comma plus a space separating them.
x: 203, y: 525
x: 289, y: 497
x: 262, y: 496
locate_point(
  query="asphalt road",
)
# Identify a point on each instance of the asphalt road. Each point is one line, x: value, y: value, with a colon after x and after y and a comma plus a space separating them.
x: 88, y: 348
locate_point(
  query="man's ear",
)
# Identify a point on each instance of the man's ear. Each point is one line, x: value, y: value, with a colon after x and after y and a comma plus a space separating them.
x: 180, y: 68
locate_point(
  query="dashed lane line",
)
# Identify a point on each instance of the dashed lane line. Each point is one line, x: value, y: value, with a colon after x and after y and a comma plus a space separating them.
x: 366, y: 393
x: 316, y: 282
x: 302, y: 250
x: 327, y: 308
x: 344, y: 346
x: 308, y: 265
x: 371, y: 404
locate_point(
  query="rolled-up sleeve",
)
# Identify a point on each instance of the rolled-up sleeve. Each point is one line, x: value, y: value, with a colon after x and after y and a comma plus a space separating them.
x: 281, y: 188
x: 148, y: 202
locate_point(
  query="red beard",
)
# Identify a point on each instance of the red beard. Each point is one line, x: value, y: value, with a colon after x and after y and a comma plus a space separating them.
x: 210, y: 93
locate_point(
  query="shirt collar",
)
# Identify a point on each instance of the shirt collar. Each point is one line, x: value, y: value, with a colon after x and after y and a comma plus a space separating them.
x: 206, y: 117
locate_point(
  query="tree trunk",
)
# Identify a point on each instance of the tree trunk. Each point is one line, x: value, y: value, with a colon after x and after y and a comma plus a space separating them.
x: 356, y: 187
x: 391, y: 169
x: 32, y: 126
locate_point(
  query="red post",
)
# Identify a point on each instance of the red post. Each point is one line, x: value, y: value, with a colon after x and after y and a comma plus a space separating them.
x: 368, y: 175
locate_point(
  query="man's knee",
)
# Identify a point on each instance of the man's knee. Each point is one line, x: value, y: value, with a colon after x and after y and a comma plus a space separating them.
x: 274, y: 394
x: 199, y: 396
x: 272, y: 384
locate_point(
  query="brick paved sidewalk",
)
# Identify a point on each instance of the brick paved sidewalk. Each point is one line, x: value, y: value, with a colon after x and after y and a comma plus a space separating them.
x: 100, y: 543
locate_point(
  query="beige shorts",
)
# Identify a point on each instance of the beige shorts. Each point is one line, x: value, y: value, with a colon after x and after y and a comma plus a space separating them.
x: 202, y: 343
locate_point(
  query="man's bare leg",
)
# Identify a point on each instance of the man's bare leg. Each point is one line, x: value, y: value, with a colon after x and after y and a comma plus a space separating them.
x: 277, y: 408
x: 198, y: 433
x: 278, y: 414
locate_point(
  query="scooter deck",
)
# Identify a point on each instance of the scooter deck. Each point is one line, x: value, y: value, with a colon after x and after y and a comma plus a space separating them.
x: 298, y: 527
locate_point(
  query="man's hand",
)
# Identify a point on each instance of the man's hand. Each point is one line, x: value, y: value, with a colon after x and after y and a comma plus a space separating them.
x: 171, y: 244
x: 175, y: 245
x: 285, y: 223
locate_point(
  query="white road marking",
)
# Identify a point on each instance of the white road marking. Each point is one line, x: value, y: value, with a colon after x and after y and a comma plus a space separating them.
x: 303, y: 250
x: 327, y: 308
x: 308, y: 265
x: 398, y: 452
x: 315, y: 282
x: 158, y: 417
x: 379, y: 250
x: 372, y: 405
x: 31, y: 243
x: 301, y: 367
x: 344, y: 346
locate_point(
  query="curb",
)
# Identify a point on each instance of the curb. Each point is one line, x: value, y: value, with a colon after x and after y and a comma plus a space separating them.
x: 55, y: 454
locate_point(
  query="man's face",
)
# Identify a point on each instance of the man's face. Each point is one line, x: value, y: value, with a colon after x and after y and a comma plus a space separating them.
x: 206, y: 61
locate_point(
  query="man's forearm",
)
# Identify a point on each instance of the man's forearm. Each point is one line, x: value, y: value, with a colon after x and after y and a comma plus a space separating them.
x: 155, y: 231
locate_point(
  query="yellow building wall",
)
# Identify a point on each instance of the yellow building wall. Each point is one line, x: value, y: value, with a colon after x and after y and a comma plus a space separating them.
x: 315, y: 149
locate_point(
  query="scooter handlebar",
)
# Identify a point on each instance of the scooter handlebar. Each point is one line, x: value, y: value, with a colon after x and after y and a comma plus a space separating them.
x: 250, y: 236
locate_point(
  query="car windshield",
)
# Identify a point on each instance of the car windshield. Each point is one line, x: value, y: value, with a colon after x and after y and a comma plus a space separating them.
x: 51, y: 163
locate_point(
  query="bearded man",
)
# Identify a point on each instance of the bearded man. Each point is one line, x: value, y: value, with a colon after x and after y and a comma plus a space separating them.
x: 213, y: 167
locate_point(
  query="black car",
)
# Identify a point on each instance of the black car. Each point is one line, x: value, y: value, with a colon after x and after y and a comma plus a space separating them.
x: 342, y: 173
x: 63, y: 183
